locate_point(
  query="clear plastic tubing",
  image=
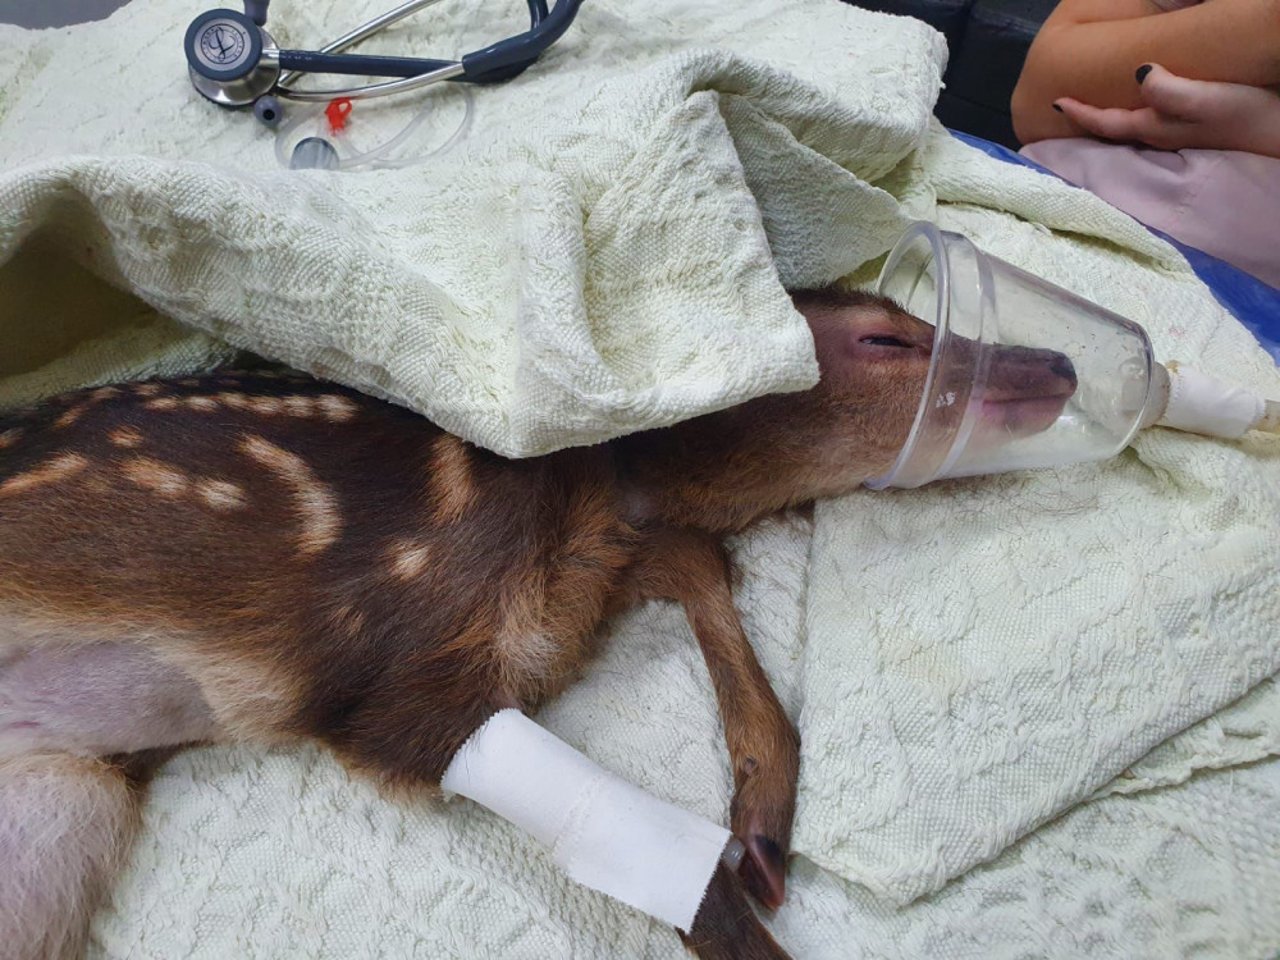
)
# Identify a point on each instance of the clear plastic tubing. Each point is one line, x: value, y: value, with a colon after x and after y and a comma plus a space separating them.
x: 381, y: 156
x: 314, y: 153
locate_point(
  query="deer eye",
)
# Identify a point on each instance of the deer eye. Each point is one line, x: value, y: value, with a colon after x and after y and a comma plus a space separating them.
x: 885, y: 342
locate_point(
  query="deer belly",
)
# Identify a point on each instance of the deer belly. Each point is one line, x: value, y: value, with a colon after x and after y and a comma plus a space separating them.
x: 96, y: 698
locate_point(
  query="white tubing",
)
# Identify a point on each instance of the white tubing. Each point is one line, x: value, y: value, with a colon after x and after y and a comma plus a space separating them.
x: 1200, y: 404
x: 604, y: 832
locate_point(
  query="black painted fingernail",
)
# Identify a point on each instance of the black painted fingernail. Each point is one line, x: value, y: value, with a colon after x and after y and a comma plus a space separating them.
x: 1143, y: 71
x: 1058, y: 108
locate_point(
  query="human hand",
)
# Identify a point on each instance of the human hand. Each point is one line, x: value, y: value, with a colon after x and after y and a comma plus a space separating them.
x: 1179, y: 113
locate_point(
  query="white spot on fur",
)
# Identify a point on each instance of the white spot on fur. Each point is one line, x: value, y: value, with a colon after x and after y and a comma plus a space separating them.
x: 162, y: 403
x: 525, y: 655
x: 408, y: 559
x: 104, y: 393
x: 147, y: 389
x: 70, y: 417
x: 298, y: 406
x: 220, y: 495
x: 157, y: 477
x: 205, y: 404
x: 60, y: 467
x: 268, y: 406
x: 317, y: 506
x: 336, y: 408
x: 126, y: 437
x: 452, y: 485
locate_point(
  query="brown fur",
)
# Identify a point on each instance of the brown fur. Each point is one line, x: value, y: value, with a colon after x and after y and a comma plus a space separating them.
x: 330, y: 567
x: 726, y: 927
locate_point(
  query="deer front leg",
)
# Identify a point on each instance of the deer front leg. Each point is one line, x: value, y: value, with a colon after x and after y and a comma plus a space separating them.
x: 726, y: 928
x: 764, y: 747
x: 611, y: 836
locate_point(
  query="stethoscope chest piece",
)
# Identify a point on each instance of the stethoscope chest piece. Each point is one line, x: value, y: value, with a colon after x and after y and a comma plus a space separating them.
x: 230, y: 59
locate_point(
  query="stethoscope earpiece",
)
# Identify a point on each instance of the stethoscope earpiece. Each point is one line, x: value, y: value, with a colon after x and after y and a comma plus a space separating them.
x: 269, y: 110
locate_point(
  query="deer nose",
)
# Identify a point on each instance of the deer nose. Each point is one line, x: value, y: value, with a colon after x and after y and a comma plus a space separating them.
x: 1063, y: 367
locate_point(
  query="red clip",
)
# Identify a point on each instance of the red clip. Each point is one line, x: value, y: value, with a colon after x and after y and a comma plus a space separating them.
x: 338, y: 111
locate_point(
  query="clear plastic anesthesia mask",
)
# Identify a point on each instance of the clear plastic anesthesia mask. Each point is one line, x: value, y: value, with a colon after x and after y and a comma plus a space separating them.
x: 1024, y: 374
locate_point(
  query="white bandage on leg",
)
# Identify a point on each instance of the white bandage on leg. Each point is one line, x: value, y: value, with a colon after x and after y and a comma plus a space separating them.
x: 1200, y: 404
x: 605, y: 833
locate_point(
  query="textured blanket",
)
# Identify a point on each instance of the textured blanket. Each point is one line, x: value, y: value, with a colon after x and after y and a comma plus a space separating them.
x: 608, y: 249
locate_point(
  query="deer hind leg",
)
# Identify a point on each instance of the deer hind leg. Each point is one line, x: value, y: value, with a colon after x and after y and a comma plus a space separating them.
x: 67, y: 817
x: 66, y: 822
x: 764, y: 747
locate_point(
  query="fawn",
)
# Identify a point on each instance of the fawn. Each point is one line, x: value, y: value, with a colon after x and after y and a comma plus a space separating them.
x: 254, y: 556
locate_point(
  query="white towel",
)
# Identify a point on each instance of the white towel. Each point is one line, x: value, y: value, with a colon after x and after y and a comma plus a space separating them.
x: 608, y: 250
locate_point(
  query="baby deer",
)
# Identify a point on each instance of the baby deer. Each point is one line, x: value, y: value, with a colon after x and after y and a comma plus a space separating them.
x: 257, y: 557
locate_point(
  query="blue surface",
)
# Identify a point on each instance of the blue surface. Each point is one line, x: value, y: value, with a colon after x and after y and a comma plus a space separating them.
x: 1254, y: 303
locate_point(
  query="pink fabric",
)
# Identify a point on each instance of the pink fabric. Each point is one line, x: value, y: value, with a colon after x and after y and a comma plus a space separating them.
x: 1223, y: 202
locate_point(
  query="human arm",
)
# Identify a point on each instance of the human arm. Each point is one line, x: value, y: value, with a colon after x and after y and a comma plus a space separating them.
x: 1088, y: 51
x: 1177, y: 113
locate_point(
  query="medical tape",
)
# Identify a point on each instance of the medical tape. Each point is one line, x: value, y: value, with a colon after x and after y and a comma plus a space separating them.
x: 604, y: 832
x: 1200, y: 404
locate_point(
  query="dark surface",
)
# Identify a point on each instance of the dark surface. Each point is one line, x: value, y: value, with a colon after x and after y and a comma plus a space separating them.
x: 947, y: 16
x: 988, y: 40
x: 40, y: 14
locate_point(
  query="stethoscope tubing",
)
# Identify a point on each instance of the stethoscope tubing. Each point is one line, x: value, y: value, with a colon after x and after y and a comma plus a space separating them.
x: 363, y: 32
x: 496, y: 61
x: 451, y: 71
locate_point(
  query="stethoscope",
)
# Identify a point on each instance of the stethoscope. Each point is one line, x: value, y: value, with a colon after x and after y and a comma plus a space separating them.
x: 234, y: 62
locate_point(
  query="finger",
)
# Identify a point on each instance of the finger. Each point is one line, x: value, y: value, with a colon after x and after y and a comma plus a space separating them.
x: 1144, y: 125
x: 1110, y: 123
x: 1171, y: 94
